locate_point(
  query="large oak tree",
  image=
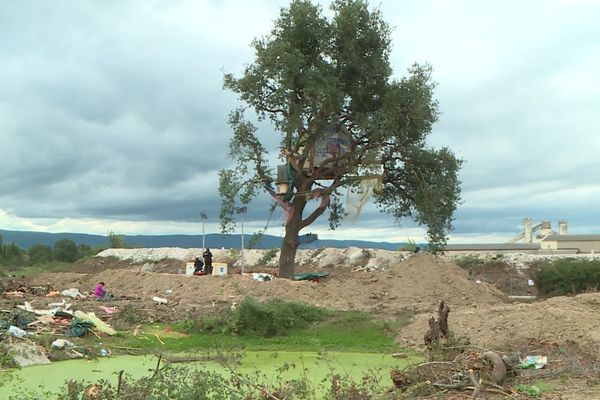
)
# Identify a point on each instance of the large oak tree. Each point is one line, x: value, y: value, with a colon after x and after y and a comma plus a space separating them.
x: 325, y: 85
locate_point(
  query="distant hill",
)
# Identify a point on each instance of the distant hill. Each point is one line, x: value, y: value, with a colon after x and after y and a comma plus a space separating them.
x: 26, y: 239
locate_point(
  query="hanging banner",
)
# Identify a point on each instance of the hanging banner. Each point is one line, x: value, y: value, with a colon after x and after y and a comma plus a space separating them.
x: 329, y: 144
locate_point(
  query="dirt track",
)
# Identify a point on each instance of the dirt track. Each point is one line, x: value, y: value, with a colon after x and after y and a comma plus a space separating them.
x: 479, y: 311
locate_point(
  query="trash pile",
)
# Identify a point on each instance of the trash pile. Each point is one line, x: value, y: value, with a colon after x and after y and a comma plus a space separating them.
x: 24, y: 327
x: 15, y: 288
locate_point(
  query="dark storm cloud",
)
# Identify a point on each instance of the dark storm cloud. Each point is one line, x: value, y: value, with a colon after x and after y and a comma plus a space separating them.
x: 109, y: 111
x: 115, y: 110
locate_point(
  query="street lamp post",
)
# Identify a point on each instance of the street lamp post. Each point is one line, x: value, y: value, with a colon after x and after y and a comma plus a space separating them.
x: 203, y: 218
x: 241, y: 211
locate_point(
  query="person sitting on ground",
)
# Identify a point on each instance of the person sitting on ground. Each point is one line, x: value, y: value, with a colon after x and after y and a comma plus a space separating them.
x: 198, y: 265
x: 208, y: 268
x: 100, y: 292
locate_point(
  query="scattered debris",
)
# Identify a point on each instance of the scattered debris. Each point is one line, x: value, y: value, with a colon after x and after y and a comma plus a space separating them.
x: 160, y: 300
x: 16, y: 331
x: 62, y: 344
x: 535, y: 362
x: 73, y: 293
x: 262, y: 276
x: 311, y: 276
x: 79, y: 328
x: 97, y: 322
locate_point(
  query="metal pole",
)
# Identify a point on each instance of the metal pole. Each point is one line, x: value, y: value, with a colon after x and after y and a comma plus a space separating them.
x: 203, y: 218
x: 242, y: 242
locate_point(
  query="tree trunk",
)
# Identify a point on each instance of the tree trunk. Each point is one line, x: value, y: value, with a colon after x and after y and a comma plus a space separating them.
x: 290, y: 241
x: 438, y: 329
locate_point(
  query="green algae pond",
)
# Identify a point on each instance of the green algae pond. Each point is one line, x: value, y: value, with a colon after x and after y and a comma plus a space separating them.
x: 316, y: 367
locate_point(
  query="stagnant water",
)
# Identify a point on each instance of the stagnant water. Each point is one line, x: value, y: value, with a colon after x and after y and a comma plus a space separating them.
x: 316, y: 366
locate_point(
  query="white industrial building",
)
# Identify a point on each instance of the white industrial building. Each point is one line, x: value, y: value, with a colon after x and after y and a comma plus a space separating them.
x: 539, y: 238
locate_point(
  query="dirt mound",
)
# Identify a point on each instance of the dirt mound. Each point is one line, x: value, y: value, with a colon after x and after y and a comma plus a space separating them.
x: 557, y: 319
x: 98, y: 264
x: 417, y: 284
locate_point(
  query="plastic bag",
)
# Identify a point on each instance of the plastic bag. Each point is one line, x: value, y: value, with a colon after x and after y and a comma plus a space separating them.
x: 535, y: 362
x: 16, y: 331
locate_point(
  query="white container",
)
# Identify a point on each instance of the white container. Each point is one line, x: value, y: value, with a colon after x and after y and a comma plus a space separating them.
x: 189, y: 268
x: 219, y: 269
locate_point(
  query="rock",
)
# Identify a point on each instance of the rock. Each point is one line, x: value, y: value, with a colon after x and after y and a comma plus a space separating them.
x: 27, y: 353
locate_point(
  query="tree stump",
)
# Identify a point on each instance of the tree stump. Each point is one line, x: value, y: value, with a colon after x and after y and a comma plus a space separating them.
x: 438, y: 328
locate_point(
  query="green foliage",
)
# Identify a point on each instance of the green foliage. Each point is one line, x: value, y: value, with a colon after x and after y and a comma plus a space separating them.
x: 117, y: 241
x: 41, y: 257
x: 315, y: 74
x: 11, y: 254
x: 410, y: 245
x: 268, y: 256
x: 258, y: 327
x: 84, y: 250
x: 568, y: 276
x: 274, y: 317
x: 470, y: 263
x: 253, y: 318
x: 530, y: 390
x: 39, y: 254
x: 65, y: 250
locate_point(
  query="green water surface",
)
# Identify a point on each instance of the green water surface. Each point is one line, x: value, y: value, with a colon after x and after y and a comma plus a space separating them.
x: 312, y: 365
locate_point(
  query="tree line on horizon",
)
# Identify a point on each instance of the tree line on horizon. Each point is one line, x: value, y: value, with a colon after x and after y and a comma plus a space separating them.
x: 64, y: 250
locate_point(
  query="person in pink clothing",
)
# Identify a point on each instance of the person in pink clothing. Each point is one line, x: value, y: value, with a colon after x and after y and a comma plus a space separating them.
x: 100, y: 291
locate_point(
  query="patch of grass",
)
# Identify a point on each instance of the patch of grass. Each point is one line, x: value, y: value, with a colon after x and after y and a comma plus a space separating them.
x: 253, y: 318
x: 349, y: 331
x: 530, y: 390
x: 30, y: 270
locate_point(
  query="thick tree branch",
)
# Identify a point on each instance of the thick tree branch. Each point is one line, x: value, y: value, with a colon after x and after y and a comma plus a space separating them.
x: 317, y: 212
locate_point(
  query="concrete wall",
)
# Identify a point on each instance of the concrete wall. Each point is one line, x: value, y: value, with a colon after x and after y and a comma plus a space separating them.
x: 549, y: 245
x: 584, y: 246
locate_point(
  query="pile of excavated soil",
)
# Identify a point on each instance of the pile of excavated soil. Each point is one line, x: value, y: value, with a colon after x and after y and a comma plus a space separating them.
x: 418, y: 284
x: 556, y: 319
x: 256, y: 258
x: 96, y: 264
x: 480, y: 312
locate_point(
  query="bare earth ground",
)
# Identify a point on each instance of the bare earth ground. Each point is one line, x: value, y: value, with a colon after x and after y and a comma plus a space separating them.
x: 416, y: 284
x: 389, y: 284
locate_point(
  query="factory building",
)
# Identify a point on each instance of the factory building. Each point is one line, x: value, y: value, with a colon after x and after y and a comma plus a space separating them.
x: 538, y: 238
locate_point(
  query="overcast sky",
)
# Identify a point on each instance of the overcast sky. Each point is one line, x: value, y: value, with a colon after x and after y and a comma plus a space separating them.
x: 113, y: 117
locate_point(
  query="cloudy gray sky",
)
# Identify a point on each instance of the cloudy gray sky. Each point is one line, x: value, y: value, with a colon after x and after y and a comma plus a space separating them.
x: 113, y: 117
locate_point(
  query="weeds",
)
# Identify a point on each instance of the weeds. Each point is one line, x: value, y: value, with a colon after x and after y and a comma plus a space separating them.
x: 253, y: 318
x: 567, y: 276
x: 268, y: 256
x: 470, y: 263
x: 410, y: 245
